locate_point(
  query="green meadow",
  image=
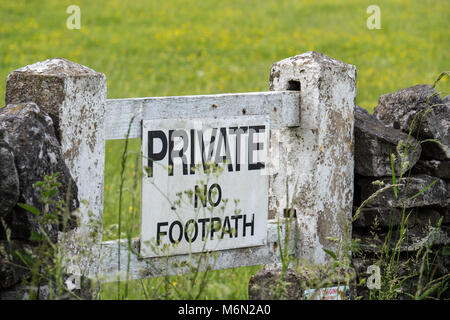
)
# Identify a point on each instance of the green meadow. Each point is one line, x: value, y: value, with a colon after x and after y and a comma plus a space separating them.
x: 180, y: 47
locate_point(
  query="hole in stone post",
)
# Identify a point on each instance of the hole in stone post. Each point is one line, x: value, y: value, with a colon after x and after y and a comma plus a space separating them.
x: 290, y: 213
x: 293, y: 85
x: 275, y: 247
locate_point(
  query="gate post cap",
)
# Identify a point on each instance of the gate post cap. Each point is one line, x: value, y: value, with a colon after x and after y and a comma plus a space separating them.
x: 312, y: 62
x: 57, y: 67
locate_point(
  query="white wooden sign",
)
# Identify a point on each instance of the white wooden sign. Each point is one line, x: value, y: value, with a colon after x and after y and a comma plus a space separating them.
x: 204, y: 186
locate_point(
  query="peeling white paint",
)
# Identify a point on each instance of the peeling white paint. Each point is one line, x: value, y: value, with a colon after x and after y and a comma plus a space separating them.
x: 80, y: 113
x: 318, y: 155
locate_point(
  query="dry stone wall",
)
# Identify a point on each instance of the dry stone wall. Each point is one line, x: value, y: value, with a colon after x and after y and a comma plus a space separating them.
x: 29, y: 151
x: 401, y: 122
x: 399, y: 126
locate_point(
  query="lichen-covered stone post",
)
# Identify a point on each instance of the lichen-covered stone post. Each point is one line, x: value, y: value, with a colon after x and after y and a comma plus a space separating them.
x: 316, y: 159
x: 75, y: 98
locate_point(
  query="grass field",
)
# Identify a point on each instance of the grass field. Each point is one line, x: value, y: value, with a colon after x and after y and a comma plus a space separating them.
x: 177, y: 47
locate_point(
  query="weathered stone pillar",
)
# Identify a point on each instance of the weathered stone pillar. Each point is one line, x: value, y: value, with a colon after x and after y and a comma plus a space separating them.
x: 316, y: 158
x: 75, y: 97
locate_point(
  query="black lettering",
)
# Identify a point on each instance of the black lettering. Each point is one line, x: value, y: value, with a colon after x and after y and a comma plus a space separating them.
x: 207, y: 158
x: 227, y: 157
x: 192, y: 167
x: 152, y: 155
x: 186, y: 231
x: 219, y: 194
x: 178, y: 153
x: 236, y: 220
x: 159, y: 232
x: 203, y: 222
x: 226, y: 227
x: 238, y: 132
x: 248, y: 224
x: 252, y: 146
x: 215, y: 225
x: 180, y: 236
x: 198, y: 193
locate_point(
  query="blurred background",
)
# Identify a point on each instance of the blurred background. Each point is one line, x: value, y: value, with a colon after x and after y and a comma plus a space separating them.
x: 177, y: 47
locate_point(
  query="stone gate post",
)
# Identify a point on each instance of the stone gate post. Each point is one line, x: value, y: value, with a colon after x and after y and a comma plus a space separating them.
x: 75, y: 97
x: 317, y: 156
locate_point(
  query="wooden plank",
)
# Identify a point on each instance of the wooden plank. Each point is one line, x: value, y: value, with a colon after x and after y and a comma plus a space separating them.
x: 282, y: 106
x: 155, y: 267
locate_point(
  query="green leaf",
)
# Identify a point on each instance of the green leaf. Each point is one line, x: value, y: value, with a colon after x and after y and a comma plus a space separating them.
x: 331, y: 253
x: 51, y: 216
x: 446, y: 251
x: 393, y: 176
x: 51, y: 193
x: 35, y: 237
x: 29, y: 208
x: 445, y: 73
x: 25, y: 257
x: 38, y: 184
x: 423, y: 190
